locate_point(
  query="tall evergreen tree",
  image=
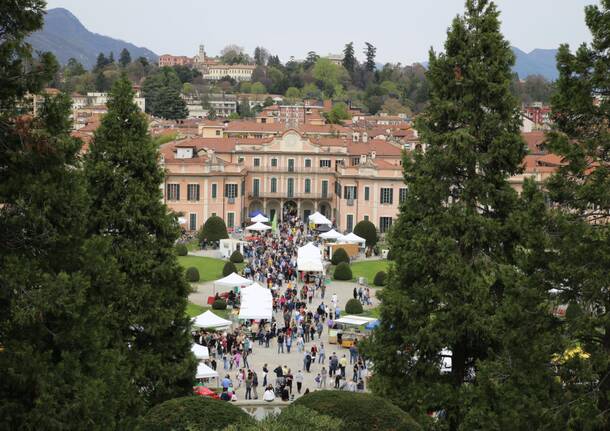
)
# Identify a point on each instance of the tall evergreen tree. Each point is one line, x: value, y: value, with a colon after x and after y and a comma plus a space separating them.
x: 124, y: 58
x: 370, y: 52
x: 162, y: 94
x: 123, y: 181
x: 101, y: 62
x: 349, y: 59
x: 581, y: 196
x: 454, y: 242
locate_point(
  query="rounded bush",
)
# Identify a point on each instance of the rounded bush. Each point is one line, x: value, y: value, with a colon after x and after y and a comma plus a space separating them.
x: 236, y: 257
x: 380, y: 278
x: 359, y: 411
x: 214, y: 229
x: 367, y: 230
x: 181, y: 250
x: 192, y: 274
x: 339, y: 255
x: 194, y: 412
x: 343, y: 272
x: 228, y: 269
x: 353, y: 306
x: 219, y: 304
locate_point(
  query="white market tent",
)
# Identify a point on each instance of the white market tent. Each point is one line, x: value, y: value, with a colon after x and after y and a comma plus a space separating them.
x: 352, y: 238
x: 331, y: 234
x: 256, y: 303
x: 259, y: 219
x: 181, y: 220
x: 233, y: 280
x: 355, y: 320
x: 200, y: 352
x: 317, y: 218
x: 258, y: 226
x: 210, y: 320
x: 310, y: 265
x: 205, y: 372
x: 309, y: 258
x: 310, y: 251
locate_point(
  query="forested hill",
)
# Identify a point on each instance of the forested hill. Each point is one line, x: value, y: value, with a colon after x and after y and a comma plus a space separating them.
x: 538, y: 62
x: 66, y: 37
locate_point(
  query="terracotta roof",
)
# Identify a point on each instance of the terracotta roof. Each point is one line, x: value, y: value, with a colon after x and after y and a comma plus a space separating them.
x: 385, y: 165
x: 542, y: 163
x: 382, y: 148
x: 534, y: 141
x: 253, y: 126
x: 326, y: 128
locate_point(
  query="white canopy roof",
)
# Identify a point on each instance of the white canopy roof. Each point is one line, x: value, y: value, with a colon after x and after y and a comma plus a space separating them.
x: 210, y: 320
x: 331, y: 234
x: 258, y: 226
x: 318, y: 218
x: 181, y: 220
x: 205, y: 372
x: 310, y: 265
x: 200, y: 352
x: 259, y: 218
x: 309, y: 258
x: 256, y: 303
x: 355, y: 320
x: 309, y: 251
x: 352, y: 238
x: 233, y: 280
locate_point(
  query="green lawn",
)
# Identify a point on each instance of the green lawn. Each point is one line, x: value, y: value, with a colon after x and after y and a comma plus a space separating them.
x: 193, y: 310
x: 209, y: 268
x: 368, y: 269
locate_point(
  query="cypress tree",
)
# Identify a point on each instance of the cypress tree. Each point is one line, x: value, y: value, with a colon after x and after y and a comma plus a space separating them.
x: 349, y: 58
x: 149, y: 308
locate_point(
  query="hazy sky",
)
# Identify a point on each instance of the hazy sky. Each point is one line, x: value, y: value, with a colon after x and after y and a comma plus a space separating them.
x: 402, y: 30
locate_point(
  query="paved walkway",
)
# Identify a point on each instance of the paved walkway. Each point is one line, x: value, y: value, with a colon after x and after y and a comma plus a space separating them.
x: 294, y: 359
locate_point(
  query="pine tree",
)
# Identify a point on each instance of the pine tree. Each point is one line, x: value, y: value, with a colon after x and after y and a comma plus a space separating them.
x: 581, y: 198
x: 349, y: 59
x: 370, y: 52
x: 453, y: 242
x: 123, y: 182
x: 101, y: 62
x: 124, y: 58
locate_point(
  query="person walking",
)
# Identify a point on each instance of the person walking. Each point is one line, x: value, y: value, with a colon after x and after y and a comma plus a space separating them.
x: 299, y: 377
x: 288, y: 344
x: 321, y: 353
x: 343, y: 365
x: 334, y: 364
x: 249, y: 379
x: 255, y: 385
x: 280, y: 342
x: 323, y: 376
x: 307, y: 361
x: 265, y: 373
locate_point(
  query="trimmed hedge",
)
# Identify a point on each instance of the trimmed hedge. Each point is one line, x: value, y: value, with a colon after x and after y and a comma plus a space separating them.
x: 339, y: 255
x: 194, y: 412
x: 380, y: 278
x: 367, y: 230
x: 192, y: 274
x: 359, y: 411
x: 219, y: 304
x: 228, y: 269
x: 214, y: 229
x: 343, y: 272
x: 236, y: 257
x: 353, y: 306
x: 181, y: 250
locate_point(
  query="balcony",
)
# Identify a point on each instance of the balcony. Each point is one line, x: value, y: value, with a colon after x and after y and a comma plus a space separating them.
x: 285, y: 195
x: 296, y: 169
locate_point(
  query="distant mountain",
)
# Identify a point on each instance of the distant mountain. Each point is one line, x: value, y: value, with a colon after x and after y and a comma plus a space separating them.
x: 538, y: 62
x: 65, y: 36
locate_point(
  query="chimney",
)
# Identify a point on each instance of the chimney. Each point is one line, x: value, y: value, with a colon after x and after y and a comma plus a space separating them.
x: 373, y: 155
x: 365, y: 137
x: 355, y: 137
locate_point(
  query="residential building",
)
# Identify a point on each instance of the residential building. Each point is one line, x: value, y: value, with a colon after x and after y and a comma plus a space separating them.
x: 168, y: 60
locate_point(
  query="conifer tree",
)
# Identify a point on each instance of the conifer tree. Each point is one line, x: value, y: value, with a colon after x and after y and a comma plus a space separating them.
x: 125, y: 58
x: 349, y: 59
x: 124, y: 181
x: 370, y: 52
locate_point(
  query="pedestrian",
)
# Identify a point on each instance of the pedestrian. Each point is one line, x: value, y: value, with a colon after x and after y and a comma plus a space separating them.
x: 343, y: 365
x: 323, y: 376
x: 307, y: 361
x: 265, y: 373
x: 299, y: 377
x: 288, y: 344
x: 255, y: 385
x: 249, y: 379
x: 321, y: 353
x: 280, y: 342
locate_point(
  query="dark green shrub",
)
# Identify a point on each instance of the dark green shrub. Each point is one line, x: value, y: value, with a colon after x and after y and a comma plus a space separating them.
x: 228, y: 269
x: 353, y: 306
x: 214, y: 229
x: 380, y: 278
x: 359, y: 411
x: 236, y: 257
x: 181, y: 250
x: 219, y: 304
x: 339, y: 255
x: 192, y: 274
x: 390, y: 255
x: 343, y: 272
x: 194, y: 412
x: 367, y: 230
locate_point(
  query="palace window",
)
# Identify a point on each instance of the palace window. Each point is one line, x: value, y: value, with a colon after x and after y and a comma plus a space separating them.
x: 231, y: 191
x: 367, y: 193
x: 325, y: 163
x: 192, y: 191
x: 384, y: 224
x: 307, y: 185
x: 257, y: 162
x: 214, y: 191
x: 387, y: 195
x: 308, y: 163
x: 402, y: 195
x: 273, y: 185
x: 173, y: 192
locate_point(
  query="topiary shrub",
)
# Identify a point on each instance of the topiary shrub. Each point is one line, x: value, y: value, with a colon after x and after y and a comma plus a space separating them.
x: 214, y: 229
x: 353, y: 306
x: 192, y: 274
x: 236, y: 257
x: 194, y: 412
x: 219, y: 304
x: 358, y: 411
x: 228, y: 269
x: 339, y: 255
x: 367, y: 230
x: 343, y: 272
x: 181, y: 250
x: 380, y: 278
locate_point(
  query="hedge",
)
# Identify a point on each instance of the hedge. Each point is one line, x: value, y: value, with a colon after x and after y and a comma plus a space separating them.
x: 193, y: 413
x: 339, y: 255
x: 359, y: 411
x: 367, y: 230
x: 353, y: 306
x: 219, y: 304
x: 380, y: 278
x: 228, y: 269
x: 343, y: 272
x: 181, y: 250
x: 192, y: 274
x: 236, y: 257
x: 214, y: 229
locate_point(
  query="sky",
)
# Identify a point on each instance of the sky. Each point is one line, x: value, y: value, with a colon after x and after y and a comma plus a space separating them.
x: 402, y: 30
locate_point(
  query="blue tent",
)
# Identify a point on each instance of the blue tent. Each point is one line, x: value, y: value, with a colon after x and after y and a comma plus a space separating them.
x: 255, y: 213
x: 372, y: 325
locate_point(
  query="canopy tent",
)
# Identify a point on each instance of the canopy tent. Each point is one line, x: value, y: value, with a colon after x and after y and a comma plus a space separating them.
x: 233, y: 280
x: 255, y: 213
x: 310, y: 265
x: 352, y: 238
x: 309, y: 258
x: 331, y: 234
x: 259, y: 219
x: 258, y: 226
x: 355, y: 320
x: 200, y: 352
x: 205, y: 372
x: 317, y: 218
x: 210, y: 320
x: 309, y: 250
x: 181, y: 220
x: 256, y: 303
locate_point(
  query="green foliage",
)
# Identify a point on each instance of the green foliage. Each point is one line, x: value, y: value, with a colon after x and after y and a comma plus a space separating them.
x: 339, y: 255
x: 349, y: 58
x: 293, y: 94
x: 182, y: 249
x: 192, y: 274
x: 343, y: 272
x: 337, y: 114
x: 229, y: 269
x: 219, y: 304
x: 390, y: 254
x: 194, y: 412
x: 124, y: 58
x: 370, y: 52
x: 258, y: 88
x: 236, y: 257
x: 367, y: 230
x: 358, y: 411
x: 214, y: 229
x: 329, y: 75
x: 162, y: 93
x: 380, y: 278
x: 294, y: 418
x: 353, y: 306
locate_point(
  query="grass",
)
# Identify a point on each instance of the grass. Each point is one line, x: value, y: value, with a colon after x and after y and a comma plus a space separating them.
x: 368, y: 269
x: 193, y: 310
x: 373, y: 312
x: 209, y: 268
